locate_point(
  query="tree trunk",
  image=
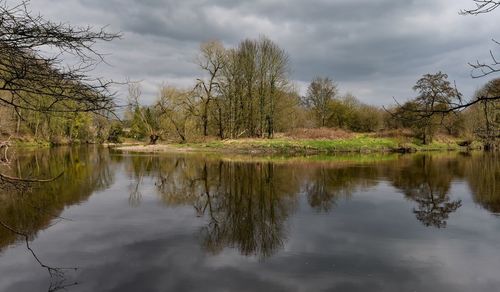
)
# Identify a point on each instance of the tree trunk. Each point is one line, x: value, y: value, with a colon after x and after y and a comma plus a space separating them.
x: 221, y: 128
x: 18, y: 124
x: 153, y: 138
x: 205, y: 118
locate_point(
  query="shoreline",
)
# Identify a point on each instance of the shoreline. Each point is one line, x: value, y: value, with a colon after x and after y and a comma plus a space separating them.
x: 364, y: 145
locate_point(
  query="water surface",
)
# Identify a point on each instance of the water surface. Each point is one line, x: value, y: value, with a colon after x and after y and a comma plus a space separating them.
x: 200, y: 222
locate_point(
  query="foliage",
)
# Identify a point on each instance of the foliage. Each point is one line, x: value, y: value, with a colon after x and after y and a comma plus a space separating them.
x: 115, y: 132
x: 487, y: 122
x: 435, y: 93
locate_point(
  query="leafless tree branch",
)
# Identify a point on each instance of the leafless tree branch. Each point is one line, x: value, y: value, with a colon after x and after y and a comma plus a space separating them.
x: 33, y: 81
x: 482, y: 6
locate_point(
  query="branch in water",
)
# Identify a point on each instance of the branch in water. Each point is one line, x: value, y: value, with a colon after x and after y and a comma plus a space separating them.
x: 53, y: 271
x: 27, y: 180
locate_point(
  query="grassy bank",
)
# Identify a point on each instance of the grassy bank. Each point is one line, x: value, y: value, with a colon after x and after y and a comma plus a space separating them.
x: 30, y: 144
x: 283, y: 145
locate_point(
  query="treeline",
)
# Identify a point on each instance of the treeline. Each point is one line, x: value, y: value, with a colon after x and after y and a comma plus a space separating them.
x: 434, y: 111
x: 246, y: 91
x: 57, y: 128
x: 39, y: 102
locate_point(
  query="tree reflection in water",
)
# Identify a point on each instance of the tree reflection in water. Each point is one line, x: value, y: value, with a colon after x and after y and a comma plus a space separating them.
x: 23, y: 215
x: 325, y: 185
x: 86, y: 170
x: 246, y: 204
x: 482, y: 173
x: 426, y: 180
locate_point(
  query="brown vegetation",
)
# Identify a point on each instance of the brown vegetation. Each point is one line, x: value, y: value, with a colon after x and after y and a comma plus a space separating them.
x: 319, y: 133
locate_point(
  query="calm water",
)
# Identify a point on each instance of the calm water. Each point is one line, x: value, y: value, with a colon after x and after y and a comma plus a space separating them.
x: 195, y: 222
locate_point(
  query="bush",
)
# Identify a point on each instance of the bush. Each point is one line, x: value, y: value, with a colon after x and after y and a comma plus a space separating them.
x: 115, y: 133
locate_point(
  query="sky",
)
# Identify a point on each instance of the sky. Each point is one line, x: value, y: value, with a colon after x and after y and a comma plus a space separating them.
x: 375, y: 50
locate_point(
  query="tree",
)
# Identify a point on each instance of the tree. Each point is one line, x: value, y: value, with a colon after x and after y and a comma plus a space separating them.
x: 273, y: 69
x: 115, y: 132
x: 146, y: 120
x: 347, y: 112
x: 211, y: 60
x: 435, y: 90
x: 172, y: 105
x: 481, y: 69
x: 488, y: 123
x: 435, y: 94
x: 252, y: 84
x: 34, y: 82
x: 482, y: 6
x: 320, y: 95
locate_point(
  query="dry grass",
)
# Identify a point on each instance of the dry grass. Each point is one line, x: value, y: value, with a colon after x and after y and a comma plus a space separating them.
x: 320, y: 133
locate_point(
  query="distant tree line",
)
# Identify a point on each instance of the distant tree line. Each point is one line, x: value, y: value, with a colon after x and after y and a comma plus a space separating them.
x: 245, y: 91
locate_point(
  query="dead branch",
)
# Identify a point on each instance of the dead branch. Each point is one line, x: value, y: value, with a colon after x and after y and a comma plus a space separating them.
x: 482, y: 6
x: 53, y: 271
x: 30, y: 80
x: 29, y: 180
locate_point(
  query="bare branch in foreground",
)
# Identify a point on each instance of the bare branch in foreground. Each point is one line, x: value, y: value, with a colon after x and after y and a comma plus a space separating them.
x: 57, y: 274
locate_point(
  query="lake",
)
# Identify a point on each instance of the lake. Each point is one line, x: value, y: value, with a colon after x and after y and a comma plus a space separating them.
x: 208, y: 222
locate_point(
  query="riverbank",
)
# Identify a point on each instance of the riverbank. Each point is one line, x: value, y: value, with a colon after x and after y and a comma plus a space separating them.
x: 358, y: 144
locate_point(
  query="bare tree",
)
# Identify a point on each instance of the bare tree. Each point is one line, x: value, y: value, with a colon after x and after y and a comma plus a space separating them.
x: 173, y: 104
x: 320, y: 95
x: 479, y: 68
x: 482, y: 6
x: 251, y: 86
x: 274, y: 72
x: 28, y: 76
x: 211, y: 60
x: 148, y: 118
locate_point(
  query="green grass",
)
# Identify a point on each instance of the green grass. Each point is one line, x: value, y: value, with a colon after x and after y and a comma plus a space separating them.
x: 359, y: 144
x: 284, y: 145
x: 439, y: 146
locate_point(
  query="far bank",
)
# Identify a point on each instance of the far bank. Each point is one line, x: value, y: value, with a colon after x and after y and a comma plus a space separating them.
x: 284, y: 145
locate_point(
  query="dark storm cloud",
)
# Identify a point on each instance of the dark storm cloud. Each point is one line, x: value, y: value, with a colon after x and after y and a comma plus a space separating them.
x: 375, y: 49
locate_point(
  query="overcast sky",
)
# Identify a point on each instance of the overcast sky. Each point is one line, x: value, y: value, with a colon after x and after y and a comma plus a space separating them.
x: 375, y: 49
